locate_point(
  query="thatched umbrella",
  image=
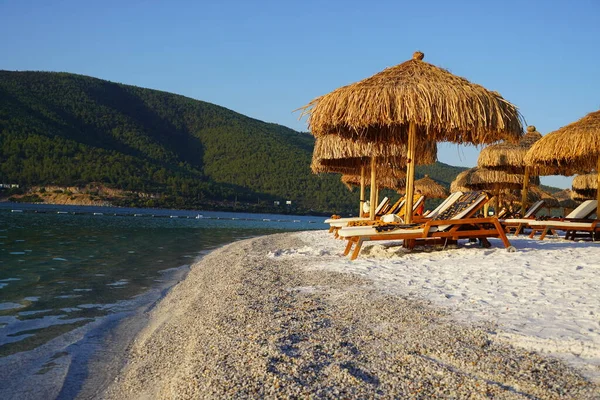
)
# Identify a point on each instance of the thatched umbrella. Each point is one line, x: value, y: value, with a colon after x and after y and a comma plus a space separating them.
x: 565, y: 200
x: 536, y: 193
x: 429, y: 188
x: 411, y: 103
x: 586, y: 185
x: 572, y: 149
x: 392, y: 181
x: 459, y: 184
x: 495, y: 181
x: 333, y: 154
x: 509, y: 157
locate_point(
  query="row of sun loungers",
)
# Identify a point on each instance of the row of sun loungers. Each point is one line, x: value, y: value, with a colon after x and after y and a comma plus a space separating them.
x: 455, y: 219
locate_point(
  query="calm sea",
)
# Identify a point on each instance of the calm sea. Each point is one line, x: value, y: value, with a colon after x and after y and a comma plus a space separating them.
x: 66, y: 271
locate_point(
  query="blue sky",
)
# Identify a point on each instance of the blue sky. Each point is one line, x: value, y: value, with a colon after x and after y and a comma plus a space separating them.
x: 264, y: 59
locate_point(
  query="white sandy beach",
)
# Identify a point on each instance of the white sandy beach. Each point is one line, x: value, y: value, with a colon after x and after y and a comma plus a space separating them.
x: 544, y: 297
x: 287, y: 316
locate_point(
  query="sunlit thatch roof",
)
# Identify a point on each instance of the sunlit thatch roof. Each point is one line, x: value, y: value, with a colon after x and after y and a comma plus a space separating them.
x: 385, y: 179
x: 565, y: 200
x: 334, y: 154
x: 429, y: 188
x: 488, y: 179
x: 507, y: 156
x: 585, y: 186
x: 572, y: 149
x: 445, y: 107
x: 460, y: 182
x: 535, y: 193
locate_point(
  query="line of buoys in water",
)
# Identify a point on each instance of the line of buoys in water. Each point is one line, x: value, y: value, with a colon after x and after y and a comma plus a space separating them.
x: 198, y: 216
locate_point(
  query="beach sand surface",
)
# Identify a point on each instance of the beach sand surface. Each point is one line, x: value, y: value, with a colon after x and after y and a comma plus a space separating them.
x: 279, y: 316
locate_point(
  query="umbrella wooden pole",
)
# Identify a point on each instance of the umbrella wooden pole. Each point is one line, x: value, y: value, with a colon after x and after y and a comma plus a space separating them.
x: 410, y: 172
x: 598, y: 189
x: 373, y: 193
x: 362, y: 190
x: 496, y: 200
x: 377, y: 195
x: 524, y: 191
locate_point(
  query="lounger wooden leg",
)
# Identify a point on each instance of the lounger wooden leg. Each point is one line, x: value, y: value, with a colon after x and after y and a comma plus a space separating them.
x: 532, y: 234
x: 357, y: 249
x: 502, y: 234
x: 330, y: 229
x: 544, y: 233
x: 348, y: 247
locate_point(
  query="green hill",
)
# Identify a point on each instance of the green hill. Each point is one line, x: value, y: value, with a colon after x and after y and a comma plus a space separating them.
x: 66, y: 129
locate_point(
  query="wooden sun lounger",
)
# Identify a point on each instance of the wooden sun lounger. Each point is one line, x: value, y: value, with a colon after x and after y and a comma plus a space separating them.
x: 518, y: 224
x: 460, y: 225
x: 397, y: 208
x: 339, y: 222
x: 577, y: 221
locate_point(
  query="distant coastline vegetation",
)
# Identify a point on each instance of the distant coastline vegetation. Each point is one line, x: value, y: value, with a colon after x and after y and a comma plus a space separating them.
x: 129, y: 146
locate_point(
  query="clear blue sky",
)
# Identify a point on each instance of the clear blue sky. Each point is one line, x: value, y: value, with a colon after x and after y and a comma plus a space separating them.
x: 266, y: 58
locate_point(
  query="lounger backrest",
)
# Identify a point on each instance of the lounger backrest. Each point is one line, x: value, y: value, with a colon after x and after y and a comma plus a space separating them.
x: 465, y: 206
x: 383, y: 203
x: 445, y: 204
x: 584, y: 210
x: 397, y: 206
x: 535, y: 207
x: 401, y: 211
x: 418, y: 202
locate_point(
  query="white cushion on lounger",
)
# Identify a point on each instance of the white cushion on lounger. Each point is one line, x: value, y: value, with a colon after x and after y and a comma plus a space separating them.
x: 517, y: 220
x: 584, y: 209
x: 567, y: 224
x: 371, y: 231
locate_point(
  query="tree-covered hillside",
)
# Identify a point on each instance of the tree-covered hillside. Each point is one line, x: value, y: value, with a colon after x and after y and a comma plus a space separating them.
x: 66, y: 129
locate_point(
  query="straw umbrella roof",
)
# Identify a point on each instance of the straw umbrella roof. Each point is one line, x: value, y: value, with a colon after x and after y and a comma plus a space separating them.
x: 334, y: 154
x: 487, y: 179
x: 572, y: 149
x: 429, y: 188
x: 383, y: 181
x: 536, y: 193
x: 507, y: 156
x: 579, y: 196
x: 445, y: 107
x: 565, y: 200
x: 459, y: 184
x: 586, y: 185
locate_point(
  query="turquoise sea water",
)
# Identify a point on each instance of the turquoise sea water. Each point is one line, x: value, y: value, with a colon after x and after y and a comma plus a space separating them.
x: 64, y: 268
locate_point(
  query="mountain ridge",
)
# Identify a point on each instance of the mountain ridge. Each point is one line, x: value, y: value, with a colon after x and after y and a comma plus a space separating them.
x: 65, y: 129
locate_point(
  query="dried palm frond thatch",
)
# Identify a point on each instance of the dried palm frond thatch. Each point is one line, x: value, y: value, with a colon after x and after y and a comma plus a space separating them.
x: 459, y: 184
x: 585, y: 186
x: 383, y: 181
x: 580, y: 196
x: 488, y: 179
x: 572, y: 149
x: 411, y: 103
x: 429, y: 188
x: 510, y: 158
x: 507, y: 156
x: 332, y: 153
x: 535, y: 193
x: 565, y: 200
x: 445, y: 107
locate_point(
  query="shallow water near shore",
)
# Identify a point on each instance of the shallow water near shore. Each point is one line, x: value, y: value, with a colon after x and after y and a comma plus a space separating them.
x: 68, y: 275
